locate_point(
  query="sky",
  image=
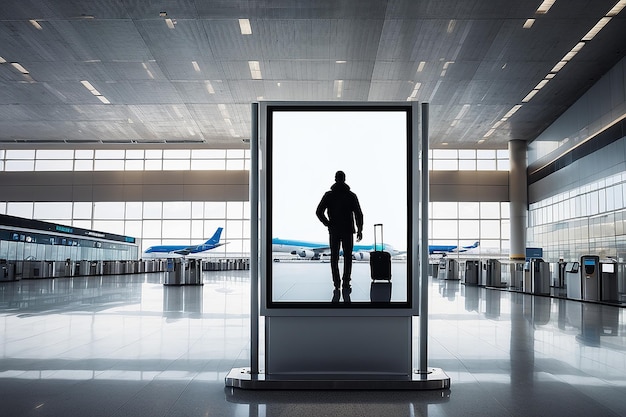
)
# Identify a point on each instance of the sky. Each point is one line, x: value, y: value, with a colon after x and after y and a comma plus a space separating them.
x: 309, y: 147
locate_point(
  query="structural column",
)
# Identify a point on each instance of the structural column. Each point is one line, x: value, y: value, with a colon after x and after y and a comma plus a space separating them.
x: 518, y: 197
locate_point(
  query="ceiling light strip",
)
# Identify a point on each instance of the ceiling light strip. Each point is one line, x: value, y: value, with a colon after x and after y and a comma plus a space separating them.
x: 619, y: 6
x: 244, y: 26
x: 35, y: 24
x: 255, y: 70
x: 597, y: 28
x: 95, y: 92
x: 19, y: 67
x: 338, y: 87
x: 545, y: 6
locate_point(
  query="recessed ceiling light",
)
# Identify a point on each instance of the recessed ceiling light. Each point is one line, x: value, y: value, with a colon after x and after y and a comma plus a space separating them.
x: 451, y: 26
x: 196, y: 67
x: 529, y: 23
x: 19, y: 67
x: 338, y: 88
x: 558, y: 67
x: 421, y: 66
x: 169, y: 23
x: 90, y: 87
x: 340, y: 62
x: 597, y: 28
x: 414, y: 92
x: 255, y: 70
x: 2, y: 60
x: 244, y: 26
x: 545, y: 6
x: 617, y: 8
x: 529, y: 96
x: 163, y: 14
x: 35, y: 24
x: 513, y: 110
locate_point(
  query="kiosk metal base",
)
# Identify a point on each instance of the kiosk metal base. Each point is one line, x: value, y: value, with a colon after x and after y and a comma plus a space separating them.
x: 433, y: 379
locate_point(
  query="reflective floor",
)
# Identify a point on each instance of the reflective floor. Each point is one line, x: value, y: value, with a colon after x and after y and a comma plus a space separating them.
x: 128, y: 346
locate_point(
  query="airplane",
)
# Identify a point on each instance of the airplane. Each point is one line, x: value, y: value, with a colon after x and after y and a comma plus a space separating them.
x: 168, y: 251
x: 438, y: 249
x: 312, y: 250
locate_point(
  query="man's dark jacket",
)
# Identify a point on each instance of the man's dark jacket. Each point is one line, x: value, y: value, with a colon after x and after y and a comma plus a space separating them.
x: 343, y: 210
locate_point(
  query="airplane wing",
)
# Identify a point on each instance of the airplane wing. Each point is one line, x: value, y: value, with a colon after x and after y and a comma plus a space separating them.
x: 185, y: 251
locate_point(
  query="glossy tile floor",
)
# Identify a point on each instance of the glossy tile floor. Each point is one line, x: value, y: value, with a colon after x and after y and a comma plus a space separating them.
x: 128, y: 346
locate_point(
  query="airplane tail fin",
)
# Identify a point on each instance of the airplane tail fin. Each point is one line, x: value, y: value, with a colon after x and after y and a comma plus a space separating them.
x: 215, y: 239
x: 475, y: 245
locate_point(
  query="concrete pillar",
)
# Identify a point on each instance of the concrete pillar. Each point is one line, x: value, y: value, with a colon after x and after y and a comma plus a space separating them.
x: 518, y: 197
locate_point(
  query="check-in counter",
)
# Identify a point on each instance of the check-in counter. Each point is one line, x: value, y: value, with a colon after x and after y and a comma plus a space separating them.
x: 448, y: 269
x: 472, y: 271
x: 112, y: 268
x: 38, y: 269
x: 539, y: 277
x: 194, y: 276
x: 573, y: 286
x: 608, y: 281
x: 517, y: 275
x: 7, y: 270
x: 176, y: 273
x: 493, y: 272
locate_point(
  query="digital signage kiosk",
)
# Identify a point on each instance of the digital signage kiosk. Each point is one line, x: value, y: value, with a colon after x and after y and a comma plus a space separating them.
x: 323, y: 328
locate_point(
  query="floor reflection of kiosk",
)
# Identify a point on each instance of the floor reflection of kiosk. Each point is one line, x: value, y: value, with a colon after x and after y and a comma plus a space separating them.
x: 590, y: 277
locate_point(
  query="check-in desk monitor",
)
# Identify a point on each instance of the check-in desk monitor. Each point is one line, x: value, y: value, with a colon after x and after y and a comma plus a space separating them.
x: 572, y: 267
x: 608, y: 268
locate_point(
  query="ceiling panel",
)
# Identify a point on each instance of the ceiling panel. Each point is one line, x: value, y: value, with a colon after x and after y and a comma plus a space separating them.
x: 189, y: 78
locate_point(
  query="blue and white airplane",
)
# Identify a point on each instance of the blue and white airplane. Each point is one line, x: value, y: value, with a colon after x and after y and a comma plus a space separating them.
x: 168, y: 251
x: 312, y: 250
x: 438, y: 249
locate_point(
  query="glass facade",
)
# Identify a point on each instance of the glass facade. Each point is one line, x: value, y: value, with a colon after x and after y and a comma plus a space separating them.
x: 12, y: 160
x: 464, y: 223
x: 155, y: 223
x: 192, y: 222
x: 468, y: 159
x: 586, y: 220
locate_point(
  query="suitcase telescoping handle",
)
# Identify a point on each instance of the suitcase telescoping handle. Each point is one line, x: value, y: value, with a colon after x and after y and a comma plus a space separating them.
x: 382, y: 245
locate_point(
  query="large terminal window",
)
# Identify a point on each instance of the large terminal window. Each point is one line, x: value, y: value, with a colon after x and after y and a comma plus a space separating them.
x: 302, y: 147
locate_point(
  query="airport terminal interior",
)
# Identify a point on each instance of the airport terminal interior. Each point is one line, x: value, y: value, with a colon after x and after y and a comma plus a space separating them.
x: 131, y: 144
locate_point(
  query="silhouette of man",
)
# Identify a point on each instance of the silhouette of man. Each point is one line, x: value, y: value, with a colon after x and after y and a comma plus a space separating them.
x: 344, y: 210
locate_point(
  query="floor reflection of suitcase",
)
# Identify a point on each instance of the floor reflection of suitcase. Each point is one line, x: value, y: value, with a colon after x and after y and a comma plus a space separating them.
x: 380, y: 292
x: 380, y: 261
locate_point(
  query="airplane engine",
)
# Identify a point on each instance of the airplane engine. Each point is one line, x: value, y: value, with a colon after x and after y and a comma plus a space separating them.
x: 306, y: 254
x: 361, y: 256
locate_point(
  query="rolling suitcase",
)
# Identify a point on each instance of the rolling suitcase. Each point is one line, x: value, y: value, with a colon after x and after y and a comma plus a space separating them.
x: 380, y: 261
